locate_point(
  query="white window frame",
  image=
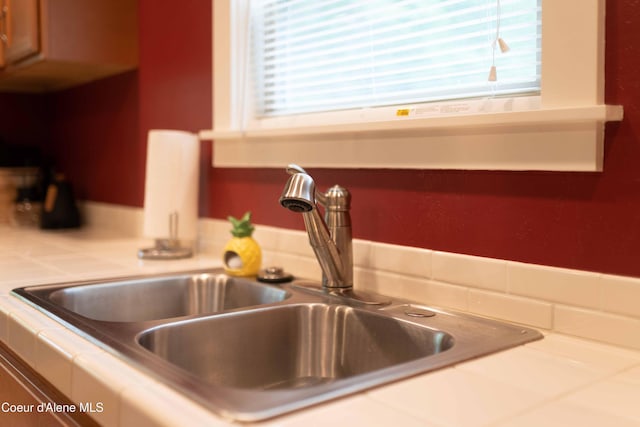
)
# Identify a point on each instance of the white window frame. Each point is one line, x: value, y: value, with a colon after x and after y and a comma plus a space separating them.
x: 563, y: 132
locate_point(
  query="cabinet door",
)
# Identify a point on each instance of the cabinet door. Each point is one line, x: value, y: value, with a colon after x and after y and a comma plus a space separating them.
x: 2, y: 41
x: 4, y: 26
x: 20, y: 19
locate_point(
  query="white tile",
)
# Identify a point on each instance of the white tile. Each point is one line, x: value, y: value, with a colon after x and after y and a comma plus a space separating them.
x: 609, y: 328
x: 388, y: 284
x: 456, y: 398
x: 573, y: 287
x: 99, y: 379
x: 602, y: 357
x: 372, y: 281
x: 3, y: 318
x: 412, y: 288
x: 269, y: 259
x: 352, y: 411
x: 213, y: 230
x: 534, y: 370
x: 437, y: 294
x: 362, y: 253
x: 81, y: 265
x: 267, y: 237
x: 210, y: 248
x: 294, y: 242
x: 21, y: 337
x: 17, y: 275
x: 478, y: 272
x: 167, y: 266
x: 631, y: 376
x: 43, y: 249
x: 564, y: 414
x: 55, y: 351
x: 113, y: 218
x: 512, y: 308
x: 14, y: 262
x: 365, y: 279
x: 299, y: 266
x: 52, y: 361
x: 153, y: 405
x: 7, y: 287
x: 23, y: 324
x: 616, y: 396
x: 621, y: 295
x: 400, y: 259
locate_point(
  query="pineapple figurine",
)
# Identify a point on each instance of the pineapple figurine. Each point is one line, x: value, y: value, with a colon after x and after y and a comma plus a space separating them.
x: 242, y: 255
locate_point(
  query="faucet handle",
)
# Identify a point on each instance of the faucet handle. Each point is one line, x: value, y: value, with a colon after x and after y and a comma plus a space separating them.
x: 292, y: 168
x: 337, y: 199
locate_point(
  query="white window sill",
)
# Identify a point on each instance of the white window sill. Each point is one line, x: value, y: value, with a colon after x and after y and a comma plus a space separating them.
x: 556, y: 139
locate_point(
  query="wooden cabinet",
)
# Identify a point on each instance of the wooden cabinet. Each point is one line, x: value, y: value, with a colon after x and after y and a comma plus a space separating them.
x: 19, y: 28
x: 49, y: 45
x: 22, y: 390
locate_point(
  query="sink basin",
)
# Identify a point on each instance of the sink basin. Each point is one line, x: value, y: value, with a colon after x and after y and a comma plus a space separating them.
x: 292, y: 346
x: 144, y: 299
x: 249, y: 351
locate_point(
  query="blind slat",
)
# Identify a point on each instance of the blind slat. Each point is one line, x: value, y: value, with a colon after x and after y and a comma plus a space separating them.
x: 417, y: 70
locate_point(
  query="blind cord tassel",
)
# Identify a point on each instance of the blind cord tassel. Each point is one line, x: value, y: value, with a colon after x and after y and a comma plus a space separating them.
x: 504, y: 47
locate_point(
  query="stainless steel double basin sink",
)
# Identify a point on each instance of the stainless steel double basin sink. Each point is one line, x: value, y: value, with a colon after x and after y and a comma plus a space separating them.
x: 250, y: 351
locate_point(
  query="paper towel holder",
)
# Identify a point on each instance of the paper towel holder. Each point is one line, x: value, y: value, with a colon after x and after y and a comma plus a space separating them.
x: 167, y: 248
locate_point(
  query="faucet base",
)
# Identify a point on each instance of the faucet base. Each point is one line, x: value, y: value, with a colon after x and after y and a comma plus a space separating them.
x: 351, y: 295
x: 166, y: 249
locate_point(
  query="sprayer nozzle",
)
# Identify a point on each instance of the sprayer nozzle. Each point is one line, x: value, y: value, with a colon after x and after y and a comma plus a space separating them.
x: 299, y: 193
x: 296, y: 205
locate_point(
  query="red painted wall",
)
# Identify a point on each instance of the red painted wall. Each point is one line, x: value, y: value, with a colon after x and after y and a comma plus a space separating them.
x: 22, y: 119
x: 589, y: 221
x: 93, y: 137
x: 175, y: 74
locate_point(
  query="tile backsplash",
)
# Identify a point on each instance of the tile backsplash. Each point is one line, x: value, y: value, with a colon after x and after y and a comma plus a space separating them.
x: 590, y: 305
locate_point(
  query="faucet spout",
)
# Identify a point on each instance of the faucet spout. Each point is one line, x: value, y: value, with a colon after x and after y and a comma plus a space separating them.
x: 330, y: 238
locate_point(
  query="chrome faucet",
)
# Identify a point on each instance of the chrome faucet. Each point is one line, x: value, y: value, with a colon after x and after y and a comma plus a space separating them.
x: 330, y: 238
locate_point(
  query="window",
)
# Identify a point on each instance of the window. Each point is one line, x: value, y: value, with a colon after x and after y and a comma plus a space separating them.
x: 311, y: 57
x: 429, y: 102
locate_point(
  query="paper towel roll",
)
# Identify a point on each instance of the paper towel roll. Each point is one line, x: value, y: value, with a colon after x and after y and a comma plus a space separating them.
x: 171, y: 184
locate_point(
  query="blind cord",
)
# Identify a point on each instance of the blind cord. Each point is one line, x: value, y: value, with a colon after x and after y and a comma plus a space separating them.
x: 504, y: 47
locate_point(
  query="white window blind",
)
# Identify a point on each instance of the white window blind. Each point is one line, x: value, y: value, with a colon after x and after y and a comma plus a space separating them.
x: 316, y: 56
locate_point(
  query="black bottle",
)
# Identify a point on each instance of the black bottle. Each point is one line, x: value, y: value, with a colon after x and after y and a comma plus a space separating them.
x: 59, y: 209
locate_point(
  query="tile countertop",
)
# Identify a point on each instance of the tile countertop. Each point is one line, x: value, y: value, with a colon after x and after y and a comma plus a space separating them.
x: 558, y: 381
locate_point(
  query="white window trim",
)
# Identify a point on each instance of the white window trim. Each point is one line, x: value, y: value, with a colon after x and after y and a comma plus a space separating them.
x: 564, y: 133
